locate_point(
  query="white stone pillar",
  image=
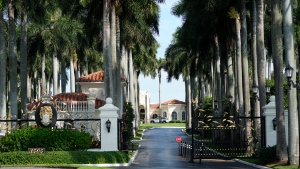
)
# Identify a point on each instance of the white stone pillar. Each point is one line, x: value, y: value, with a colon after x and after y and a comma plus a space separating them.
x: 270, y: 114
x: 109, y: 140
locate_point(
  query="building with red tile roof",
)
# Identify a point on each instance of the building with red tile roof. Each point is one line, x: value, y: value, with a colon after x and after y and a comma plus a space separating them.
x: 171, y: 109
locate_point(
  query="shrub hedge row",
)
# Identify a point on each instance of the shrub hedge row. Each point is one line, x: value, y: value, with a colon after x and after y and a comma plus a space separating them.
x: 51, y: 140
x: 177, y: 121
x: 62, y: 157
x: 267, y: 155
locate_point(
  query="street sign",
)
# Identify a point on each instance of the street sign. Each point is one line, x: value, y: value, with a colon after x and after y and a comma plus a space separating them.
x: 178, y: 139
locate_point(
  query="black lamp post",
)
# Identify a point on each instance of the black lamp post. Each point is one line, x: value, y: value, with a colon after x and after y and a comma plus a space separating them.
x: 274, y: 121
x: 289, y: 73
x: 108, y: 124
x: 255, y: 91
x: 268, y: 88
x: 230, y: 103
x: 216, y: 106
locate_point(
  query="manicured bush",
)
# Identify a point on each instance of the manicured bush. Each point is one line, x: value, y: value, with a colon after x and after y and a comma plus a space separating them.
x: 267, y: 155
x: 177, y: 121
x: 51, y: 140
x: 62, y: 157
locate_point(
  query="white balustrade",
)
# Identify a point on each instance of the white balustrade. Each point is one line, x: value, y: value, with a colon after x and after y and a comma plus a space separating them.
x: 73, y: 106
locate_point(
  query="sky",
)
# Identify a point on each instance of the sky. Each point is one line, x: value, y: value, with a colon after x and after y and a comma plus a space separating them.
x: 175, y: 89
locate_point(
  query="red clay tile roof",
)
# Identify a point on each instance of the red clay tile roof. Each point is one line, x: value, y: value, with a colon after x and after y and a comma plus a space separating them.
x: 68, y: 97
x: 154, y: 106
x: 174, y: 101
x: 94, y: 77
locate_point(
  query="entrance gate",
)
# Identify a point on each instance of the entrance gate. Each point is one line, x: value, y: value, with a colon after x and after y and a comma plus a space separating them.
x: 224, y: 137
x: 228, y: 136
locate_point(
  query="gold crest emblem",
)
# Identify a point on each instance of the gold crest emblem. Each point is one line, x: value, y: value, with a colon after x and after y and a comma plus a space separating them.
x: 46, y: 115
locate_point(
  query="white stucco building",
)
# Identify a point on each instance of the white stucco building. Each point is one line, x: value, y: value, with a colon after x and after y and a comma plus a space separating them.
x: 172, y: 109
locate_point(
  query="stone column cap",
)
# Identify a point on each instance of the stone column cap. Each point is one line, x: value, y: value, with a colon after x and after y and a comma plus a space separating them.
x: 108, y: 106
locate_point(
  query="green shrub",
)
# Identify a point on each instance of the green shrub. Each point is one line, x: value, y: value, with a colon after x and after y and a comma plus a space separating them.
x: 62, y: 157
x: 267, y: 155
x: 51, y: 140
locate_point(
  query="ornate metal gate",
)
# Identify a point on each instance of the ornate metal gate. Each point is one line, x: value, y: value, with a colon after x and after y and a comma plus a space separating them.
x: 228, y: 136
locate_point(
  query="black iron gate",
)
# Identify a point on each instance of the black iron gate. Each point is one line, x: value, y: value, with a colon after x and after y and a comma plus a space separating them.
x: 224, y: 137
x: 229, y: 136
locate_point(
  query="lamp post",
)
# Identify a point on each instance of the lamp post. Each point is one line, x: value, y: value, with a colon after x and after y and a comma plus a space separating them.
x: 216, y: 106
x: 289, y: 73
x: 108, y: 124
x: 255, y: 91
x: 230, y: 102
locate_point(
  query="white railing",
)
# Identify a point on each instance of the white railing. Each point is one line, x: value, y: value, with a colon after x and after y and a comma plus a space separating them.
x: 72, y: 106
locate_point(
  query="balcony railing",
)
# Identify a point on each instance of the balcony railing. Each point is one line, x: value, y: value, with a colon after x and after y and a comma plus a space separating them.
x: 74, y: 106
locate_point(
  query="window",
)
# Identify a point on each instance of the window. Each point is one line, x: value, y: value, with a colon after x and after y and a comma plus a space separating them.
x: 154, y: 116
x: 183, y: 116
x: 142, y: 114
x: 174, y: 115
x: 164, y: 114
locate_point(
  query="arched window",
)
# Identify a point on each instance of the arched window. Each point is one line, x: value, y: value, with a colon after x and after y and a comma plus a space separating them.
x: 174, y: 115
x: 164, y: 114
x: 183, y: 116
x: 154, y: 116
x: 142, y: 114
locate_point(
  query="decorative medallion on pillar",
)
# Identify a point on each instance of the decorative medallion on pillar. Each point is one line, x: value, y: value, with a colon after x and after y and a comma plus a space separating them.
x: 45, y: 115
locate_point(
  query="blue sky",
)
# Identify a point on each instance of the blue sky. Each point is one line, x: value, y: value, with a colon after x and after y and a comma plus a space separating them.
x: 175, y: 89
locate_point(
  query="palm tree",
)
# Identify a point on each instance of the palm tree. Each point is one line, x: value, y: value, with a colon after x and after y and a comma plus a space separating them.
x: 257, y: 123
x: 288, y: 29
x: 161, y: 64
x: 246, y: 90
x: 2, y: 70
x: 261, y: 59
x: 107, y: 63
x: 13, y: 81
x: 23, y: 58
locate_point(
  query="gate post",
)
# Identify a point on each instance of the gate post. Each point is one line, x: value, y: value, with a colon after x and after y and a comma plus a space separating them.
x: 270, y: 114
x: 109, y: 133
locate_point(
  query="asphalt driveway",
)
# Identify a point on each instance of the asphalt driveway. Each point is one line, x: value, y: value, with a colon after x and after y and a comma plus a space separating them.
x: 159, y: 150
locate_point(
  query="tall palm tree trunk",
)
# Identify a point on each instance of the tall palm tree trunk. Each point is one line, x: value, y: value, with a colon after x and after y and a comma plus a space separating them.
x: 288, y: 29
x: 131, y: 87
x: 63, y: 77
x: 2, y: 73
x: 44, y: 90
x: 188, y: 101
x: 239, y: 68
x: 72, y: 76
x: 256, y: 104
x: 120, y: 99
x: 217, y: 75
x: 261, y: 59
x: 55, y: 74
x: 113, y: 47
x: 106, y: 49
x: 246, y: 90
x: 13, y: 92
x: 23, y: 59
